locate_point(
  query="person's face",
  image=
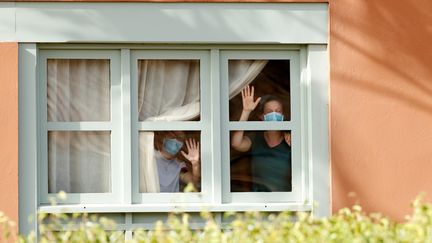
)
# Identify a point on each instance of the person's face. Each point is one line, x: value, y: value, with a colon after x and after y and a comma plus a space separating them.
x: 272, y: 106
x: 171, y: 143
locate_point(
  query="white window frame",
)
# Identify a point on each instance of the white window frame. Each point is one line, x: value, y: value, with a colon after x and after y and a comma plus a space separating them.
x: 125, y: 136
x: 294, y: 125
x: 258, y: 25
x: 313, y: 73
x: 203, y: 126
x: 113, y: 126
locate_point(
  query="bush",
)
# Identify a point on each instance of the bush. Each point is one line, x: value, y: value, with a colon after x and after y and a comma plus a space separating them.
x: 347, y: 225
x: 8, y: 232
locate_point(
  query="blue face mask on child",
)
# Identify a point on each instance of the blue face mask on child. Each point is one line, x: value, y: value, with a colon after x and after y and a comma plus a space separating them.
x: 172, y: 145
x: 273, y: 116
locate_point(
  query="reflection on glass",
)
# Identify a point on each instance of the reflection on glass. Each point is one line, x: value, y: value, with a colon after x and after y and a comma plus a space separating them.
x: 78, y: 90
x: 169, y: 161
x: 261, y: 161
x: 79, y: 162
x: 168, y: 90
x: 270, y: 80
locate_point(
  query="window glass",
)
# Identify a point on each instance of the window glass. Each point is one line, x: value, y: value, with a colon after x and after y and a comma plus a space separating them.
x: 168, y: 90
x: 263, y: 164
x: 169, y: 160
x: 79, y: 162
x: 266, y: 79
x: 78, y: 90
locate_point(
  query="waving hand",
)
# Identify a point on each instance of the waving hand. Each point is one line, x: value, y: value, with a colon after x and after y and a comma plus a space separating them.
x: 193, y: 153
x: 248, y: 99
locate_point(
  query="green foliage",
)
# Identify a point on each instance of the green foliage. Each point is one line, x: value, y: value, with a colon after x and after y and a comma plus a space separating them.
x: 8, y: 232
x: 347, y: 225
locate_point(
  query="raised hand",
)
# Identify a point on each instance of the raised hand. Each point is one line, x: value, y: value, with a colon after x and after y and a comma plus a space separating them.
x: 192, y: 151
x: 248, y: 99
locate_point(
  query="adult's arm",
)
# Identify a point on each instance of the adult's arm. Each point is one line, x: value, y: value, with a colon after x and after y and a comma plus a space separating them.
x: 239, y: 141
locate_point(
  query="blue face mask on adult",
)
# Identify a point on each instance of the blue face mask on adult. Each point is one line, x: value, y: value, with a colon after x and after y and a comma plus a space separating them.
x: 172, y: 146
x: 273, y: 116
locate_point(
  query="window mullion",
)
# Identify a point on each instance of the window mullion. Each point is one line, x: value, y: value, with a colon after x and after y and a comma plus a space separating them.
x: 224, y: 126
x: 171, y: 126
x: 216, y: 126
x: 260, y: 126
x: 79, y: 126
x: 126, y: 151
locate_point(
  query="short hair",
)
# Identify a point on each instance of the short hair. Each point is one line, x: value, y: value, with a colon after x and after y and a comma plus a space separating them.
x: 267, y: 98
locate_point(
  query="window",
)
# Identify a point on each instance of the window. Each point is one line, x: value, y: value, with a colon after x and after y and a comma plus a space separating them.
x: 170, y: 100
x: 108, y: 118
x: 269, y: 169
x: 80, y: 125
x: 117, y: 138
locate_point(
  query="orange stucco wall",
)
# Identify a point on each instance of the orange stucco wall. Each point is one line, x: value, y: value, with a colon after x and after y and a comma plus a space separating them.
x: 9, y: 129
x: 381, y: 103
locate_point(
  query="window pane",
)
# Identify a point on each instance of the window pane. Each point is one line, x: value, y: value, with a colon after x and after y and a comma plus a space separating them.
x: 78, y: 90
x: 169, y: 160
x: 271, y: 82
x: 261, y: 162
x: 79, y: 162
x: 168, y: 90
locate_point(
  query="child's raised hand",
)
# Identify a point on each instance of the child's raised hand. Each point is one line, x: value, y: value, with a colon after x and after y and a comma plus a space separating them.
x: 192, y: 151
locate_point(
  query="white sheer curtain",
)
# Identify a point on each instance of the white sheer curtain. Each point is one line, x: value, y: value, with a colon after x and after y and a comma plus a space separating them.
x: 79, y: 162
x: 78, y: 90
x: 242, y: 73
x: 169, y: 91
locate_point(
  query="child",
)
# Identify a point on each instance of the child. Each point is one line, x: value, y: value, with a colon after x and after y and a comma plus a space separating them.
x: 172, y: 170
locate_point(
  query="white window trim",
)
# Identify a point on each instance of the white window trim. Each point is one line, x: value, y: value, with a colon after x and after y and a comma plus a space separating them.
x: 113, y: 126
x: 121, y: 102
x: 314, y: 80
x: 107, y: 22
x: 278, y: 24
x: 203, y: 126
x: 294, y: 125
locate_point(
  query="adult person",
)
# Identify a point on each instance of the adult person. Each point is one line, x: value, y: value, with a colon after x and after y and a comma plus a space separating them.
x: 171, y: 169
x: 270, y: 151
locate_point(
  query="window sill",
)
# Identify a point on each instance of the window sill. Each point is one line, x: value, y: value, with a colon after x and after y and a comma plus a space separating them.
x: 187, y: 207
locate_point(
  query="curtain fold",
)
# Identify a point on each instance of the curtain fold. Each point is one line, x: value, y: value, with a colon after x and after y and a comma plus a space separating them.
x: 168, y: 90
x: 150, y: 182
x: 242, y: 73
